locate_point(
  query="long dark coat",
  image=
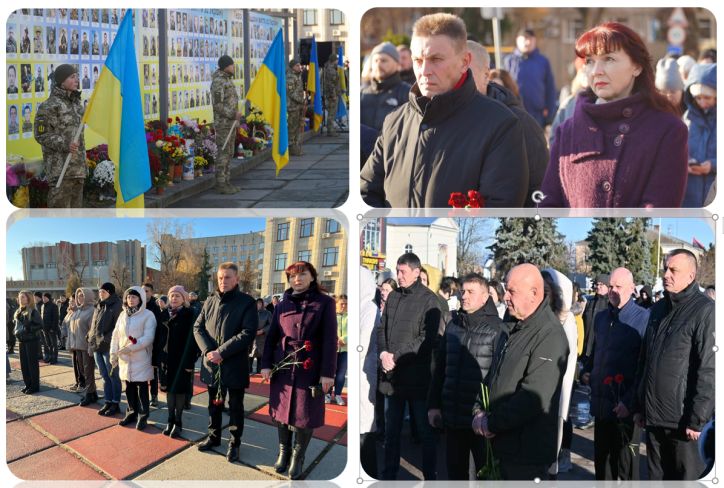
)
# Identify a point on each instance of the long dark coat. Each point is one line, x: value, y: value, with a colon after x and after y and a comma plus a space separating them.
x: 297, y: 318
x: 180, y: 351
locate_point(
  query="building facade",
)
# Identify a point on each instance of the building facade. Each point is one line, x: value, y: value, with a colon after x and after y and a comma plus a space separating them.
x: 326, y: 25
x: 433, y: 240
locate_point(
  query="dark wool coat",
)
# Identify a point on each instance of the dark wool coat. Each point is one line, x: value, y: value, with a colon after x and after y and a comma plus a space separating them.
x: 453, y: 142
x: 105, y: 316
x: 180, y: 351
x: 227, y: 323
x: 309, y: 316
x: 28, y: 324
x: 617, y: 154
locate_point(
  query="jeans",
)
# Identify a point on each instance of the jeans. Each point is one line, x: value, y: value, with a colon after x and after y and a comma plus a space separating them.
x: 111, y: 382
x: 394, y: 414
x: 341, y: 372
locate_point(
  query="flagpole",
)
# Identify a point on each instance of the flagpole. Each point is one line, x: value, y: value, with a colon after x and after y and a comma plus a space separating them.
x: 76, y: 137
x: 229, y: 135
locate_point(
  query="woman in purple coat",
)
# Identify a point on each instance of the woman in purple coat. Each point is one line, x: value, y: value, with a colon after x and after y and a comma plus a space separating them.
x: 303, y: 332
x: 624, y: 146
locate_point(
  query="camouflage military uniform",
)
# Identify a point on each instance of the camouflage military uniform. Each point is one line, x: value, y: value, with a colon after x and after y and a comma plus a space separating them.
x: 295, y: 111
x: 225, y: 101
x: 331, y: 91
x: 56, y: 122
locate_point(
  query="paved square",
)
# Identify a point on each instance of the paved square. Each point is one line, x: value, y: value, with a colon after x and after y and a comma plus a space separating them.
x: 53, y: 464
x: 22, y: 439
x: 71, y: 423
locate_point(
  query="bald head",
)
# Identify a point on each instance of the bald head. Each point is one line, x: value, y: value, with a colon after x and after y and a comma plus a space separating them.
x: 621, y: 287
x: 524, y: 291
x: 480, y: 66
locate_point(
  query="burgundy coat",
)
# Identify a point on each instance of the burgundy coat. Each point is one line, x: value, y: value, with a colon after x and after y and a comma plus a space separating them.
x: 297, y: 318
x: 617, y: 154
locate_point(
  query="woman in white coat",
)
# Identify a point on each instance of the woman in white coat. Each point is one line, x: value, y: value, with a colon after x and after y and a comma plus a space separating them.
x: 131, y: 347
x: 564, y: 288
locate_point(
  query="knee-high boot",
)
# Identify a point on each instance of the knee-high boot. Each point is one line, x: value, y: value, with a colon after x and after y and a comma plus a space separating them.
x: 301, y: 441
x: 285, y: 448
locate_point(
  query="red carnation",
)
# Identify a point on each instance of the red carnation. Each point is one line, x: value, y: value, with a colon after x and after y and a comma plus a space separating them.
x: 457, y: 200
x: 475, y: 200
x: 177, y: 119
x: 307, y: 346
x: 307, y: 364
x: 618, y: 379
x: 608, y: 380
x: 159, y: 133
x: 132, y: 339
x: 169, y: 120
x: 218, y: 402
x: 182, y: 123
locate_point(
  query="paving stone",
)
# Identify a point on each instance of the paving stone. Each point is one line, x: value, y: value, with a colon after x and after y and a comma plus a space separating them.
x: 53, y: 464
x: 126, y: 451
x: 194, y: 465
x: 22, y: 439
x: 46, y: 400
x: 334, y: 422
x: 330, y: 466
x: 71, y: 423
x: 195, y: 421
x: 251, y: 402
x: 10, y: 415
x: 59, y: 380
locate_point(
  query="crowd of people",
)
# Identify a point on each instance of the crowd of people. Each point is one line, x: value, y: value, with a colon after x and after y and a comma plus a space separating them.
x: 627, y: 133
x: 491, y: 368
x: 143, y: 343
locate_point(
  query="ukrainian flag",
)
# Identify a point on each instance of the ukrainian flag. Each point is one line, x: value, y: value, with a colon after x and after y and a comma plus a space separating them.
x: 314, y: 87
x: 115, y: 113
x: 342, y: 105
x: 269, y: 93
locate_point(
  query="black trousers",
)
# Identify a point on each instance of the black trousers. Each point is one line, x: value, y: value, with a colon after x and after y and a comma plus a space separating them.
x: 10, y: 337
x: 511, y: 470
x: 459, y: 444
x: 137, y: 395
x: 175, y: 402
x: 616, y: 449
x: 671, y: 455
x: 29, y: 366
x: 50, y: 347
x: 236, y: 414
x: 368, y: 454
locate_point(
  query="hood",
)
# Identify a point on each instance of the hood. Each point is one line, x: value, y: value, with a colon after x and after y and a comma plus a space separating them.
x: 503, y: 95
x: 566, y: 287
x: 700, y: 73
x: 140, y: 292
x: 367, y: 287
x: 88, y: 297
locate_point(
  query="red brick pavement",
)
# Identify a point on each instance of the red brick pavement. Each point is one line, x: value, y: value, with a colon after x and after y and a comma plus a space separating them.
x: 22, y: 439
x: 53, y: 464
x: 71, y: 423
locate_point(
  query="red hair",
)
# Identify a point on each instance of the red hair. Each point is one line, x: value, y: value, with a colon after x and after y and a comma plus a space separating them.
x: 300, y: 267
x: 612, y: 36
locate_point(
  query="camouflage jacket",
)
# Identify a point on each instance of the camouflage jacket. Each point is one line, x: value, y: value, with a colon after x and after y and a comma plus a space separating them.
x: 55, y: 124
x: 330, y: 81
x: 225, y: 97
x: 295, y: 90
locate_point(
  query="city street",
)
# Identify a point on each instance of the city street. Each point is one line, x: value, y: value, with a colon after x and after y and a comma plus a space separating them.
x: 50, y: 437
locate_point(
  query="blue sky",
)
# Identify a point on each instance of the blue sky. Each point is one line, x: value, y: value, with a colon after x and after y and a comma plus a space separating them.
x: 46, y: 230
x: 576, y: 229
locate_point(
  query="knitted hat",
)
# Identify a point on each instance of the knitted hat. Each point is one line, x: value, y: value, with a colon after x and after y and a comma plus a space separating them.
x: 293, y: 62
x: 701, y: 89
x: 62, y: 73
x: 109, y: 287
x: 225, y: 61
x: 602, y: 278
x: 387, y: 48
x: 179, y: 289
x: 668, y: 76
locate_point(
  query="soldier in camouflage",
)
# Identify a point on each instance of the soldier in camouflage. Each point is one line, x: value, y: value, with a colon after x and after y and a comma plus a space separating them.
x: 331, y: 91
x: 295, y: 107
x: 56, y: 122
x: 225, y: 102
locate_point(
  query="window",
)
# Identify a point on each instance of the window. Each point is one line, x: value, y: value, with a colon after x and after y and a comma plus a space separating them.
x: 233, y: 249
x: 371, y: 236
x: 332, y: 226
x: 310, y: 17
x: 336, y: 17
x: 329, y: 285
x: 705, y: 28
x: 226, y: 248
x: 572, y: 30
x: 216, y: 249
x: 304, y: 256
x: 306, y: 229
x: 408, y: 248
x: 277, y: 288
x: 280, y: 262
x: 330, y: 256
x: 283, y: 231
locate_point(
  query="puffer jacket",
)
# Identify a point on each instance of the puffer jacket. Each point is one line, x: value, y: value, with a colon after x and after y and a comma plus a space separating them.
x: 28, y: 324
x: 104, y: 321
x: 79, y: 322
x: 461, y: 363
x: 409, y: 331
x: 676, y: 367
x: 453, y: 142
x: 134, y: 360
x: 702, y: 135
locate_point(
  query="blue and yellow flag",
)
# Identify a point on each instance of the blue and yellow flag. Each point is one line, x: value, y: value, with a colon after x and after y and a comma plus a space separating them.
x: 314, y: 87
x: 116, y: 114
x: 268, y: 93
x: 342, y: 104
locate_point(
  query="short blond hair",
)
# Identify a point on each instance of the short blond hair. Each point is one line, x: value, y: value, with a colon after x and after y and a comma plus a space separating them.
x: 442, y: 24
x: 229, y: 265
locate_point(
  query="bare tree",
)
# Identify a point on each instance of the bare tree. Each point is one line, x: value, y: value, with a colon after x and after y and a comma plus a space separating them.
x: 473, y: 236
x: 247, y: 278
x: 121, y: 275
x: 170, y: 248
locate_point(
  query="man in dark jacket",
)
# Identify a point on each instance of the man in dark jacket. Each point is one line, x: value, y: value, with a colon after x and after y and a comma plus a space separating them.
x: 599, y: 303
x: 611, y: 373
x: 448, y: 138
x: 49, y: 314
x: 38, y: 297
x: 525, y: 386
x: 675, y: 397
x: 459, y: 368
x: 534, y: 76
x: 536, y: 146
x: 159, y: 338
x: 194, y: 304
x: 100, y: 333
x: 406, y: 339
x: 224, y: 331
x: 386, y: 91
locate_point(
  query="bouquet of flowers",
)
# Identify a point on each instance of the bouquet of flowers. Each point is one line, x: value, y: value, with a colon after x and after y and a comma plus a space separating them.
x: 200, y: 162
x: 473, y: 199
x: 291, y: 359
x: 103, y: 174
